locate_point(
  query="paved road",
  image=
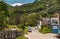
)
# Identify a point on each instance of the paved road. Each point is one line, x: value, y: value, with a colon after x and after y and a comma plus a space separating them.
x: 36, y: 35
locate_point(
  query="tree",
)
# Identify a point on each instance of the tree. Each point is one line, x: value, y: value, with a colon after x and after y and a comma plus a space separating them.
x: 30, y: 19
x: 3, y: 14
x: 3, y: 8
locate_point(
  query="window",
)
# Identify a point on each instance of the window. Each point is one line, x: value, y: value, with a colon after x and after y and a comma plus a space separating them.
x: 55, y: 27
x: 54, y: 22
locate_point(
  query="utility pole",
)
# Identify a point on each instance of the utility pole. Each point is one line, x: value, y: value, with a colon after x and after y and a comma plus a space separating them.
x: 59, y: 14
x: 59, y: 10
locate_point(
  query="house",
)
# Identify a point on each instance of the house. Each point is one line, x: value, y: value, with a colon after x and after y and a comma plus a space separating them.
x: 51, y: 21
x: 46, y: 21
x: 55, y: 23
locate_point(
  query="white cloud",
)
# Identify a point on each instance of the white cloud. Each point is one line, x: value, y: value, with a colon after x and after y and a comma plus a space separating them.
x: 18, y: 4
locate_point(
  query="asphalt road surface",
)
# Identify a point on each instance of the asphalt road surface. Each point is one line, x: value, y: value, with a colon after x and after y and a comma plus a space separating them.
x: 37, y: 35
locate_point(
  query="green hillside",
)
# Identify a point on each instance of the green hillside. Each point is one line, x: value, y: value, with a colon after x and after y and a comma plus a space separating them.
x: 47, y: 6
x: 27, y: 14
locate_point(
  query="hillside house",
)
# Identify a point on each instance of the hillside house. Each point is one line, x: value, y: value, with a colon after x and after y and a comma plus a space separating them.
x: 51, y: 21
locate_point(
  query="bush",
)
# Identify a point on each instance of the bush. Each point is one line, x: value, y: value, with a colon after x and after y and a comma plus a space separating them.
x: 21, y: 37
x: 45, y: 29
x: 26, y: 30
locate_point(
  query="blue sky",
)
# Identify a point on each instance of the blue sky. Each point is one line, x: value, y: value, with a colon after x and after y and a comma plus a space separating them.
x: 19, y: 1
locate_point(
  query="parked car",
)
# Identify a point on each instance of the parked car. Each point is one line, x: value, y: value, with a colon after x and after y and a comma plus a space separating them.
x: 29, y: 29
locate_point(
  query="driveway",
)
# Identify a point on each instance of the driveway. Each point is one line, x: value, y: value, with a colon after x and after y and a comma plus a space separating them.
x: 37, y: 35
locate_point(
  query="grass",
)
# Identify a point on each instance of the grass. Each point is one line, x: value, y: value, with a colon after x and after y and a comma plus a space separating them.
x: 45, y: 29
x: 13, y: 26
x: 26, y: 30
x: 18, y: 28
x: 21, y: 37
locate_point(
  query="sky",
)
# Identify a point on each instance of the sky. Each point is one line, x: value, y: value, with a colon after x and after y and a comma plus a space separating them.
x: 19, y: 1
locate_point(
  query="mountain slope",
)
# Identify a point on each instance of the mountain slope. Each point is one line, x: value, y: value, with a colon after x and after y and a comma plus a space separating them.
x: 43, y: 5
x: 16, y: 4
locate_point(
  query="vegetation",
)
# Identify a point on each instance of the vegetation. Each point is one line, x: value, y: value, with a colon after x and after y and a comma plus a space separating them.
x: 26, y: 30
x: 30, y: 14
x: 27, y: 14
x: 45, y: 29
x: 21, y: 37
x: 3, y: 14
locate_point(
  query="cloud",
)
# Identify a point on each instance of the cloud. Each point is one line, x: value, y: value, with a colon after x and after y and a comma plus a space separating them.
x: 18, y: 4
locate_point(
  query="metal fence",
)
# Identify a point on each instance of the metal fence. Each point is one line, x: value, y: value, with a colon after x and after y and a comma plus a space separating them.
x: 10, y: 34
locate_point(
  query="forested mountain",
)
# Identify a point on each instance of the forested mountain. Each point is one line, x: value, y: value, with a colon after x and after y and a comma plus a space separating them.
x: 48, y: 6
x: 27, y: 14
x: 40, y: 8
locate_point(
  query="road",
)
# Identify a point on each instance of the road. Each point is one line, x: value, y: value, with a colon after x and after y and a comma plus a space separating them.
x: 37, y: 35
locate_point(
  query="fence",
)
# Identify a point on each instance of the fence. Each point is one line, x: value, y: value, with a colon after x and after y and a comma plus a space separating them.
x: 10, y: 34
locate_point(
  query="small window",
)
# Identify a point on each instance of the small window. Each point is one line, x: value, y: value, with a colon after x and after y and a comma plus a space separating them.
x: 55, y: 27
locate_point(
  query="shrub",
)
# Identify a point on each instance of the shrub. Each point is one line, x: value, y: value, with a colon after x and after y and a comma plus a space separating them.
x: 45, y: 29
x: 26, y: 30
x: 21, y: 37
